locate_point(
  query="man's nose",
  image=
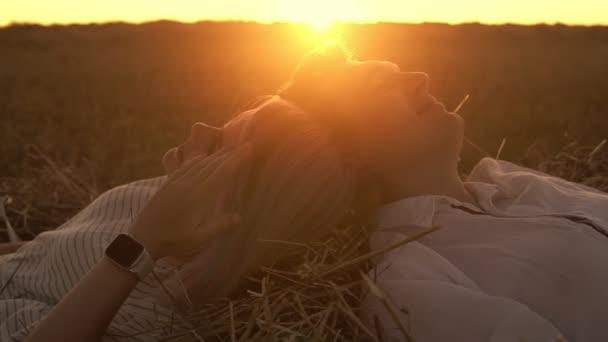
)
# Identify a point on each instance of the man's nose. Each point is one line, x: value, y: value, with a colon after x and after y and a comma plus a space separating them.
x: 415, y: 83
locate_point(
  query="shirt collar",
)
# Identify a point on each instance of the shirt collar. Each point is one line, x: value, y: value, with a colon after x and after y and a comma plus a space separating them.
x: 417, y: 210
x: 486, y: 195
x: 420, y: 210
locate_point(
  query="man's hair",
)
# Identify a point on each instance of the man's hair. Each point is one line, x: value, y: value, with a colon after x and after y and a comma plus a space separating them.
x: 310, y: 88
x: 314, y: 68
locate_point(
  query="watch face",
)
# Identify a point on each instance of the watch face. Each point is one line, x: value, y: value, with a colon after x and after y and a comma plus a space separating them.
x: 124, y: 250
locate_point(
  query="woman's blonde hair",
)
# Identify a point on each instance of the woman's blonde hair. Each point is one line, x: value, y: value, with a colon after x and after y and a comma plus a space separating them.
x: 298, y: 188
x: 303, y: 182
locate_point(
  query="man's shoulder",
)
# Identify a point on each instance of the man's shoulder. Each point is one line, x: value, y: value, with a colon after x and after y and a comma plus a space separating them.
x: 509, y: 174
x: 490, y: 166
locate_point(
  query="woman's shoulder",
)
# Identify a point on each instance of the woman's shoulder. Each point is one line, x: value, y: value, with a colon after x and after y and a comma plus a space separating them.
x: 75, y: 246
x: 120, y: 203
x: 147, y: 184
x: 137, y: 190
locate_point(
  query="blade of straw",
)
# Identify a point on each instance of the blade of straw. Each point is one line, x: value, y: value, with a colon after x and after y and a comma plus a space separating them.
x: 502, y: 145
x: 370, y: 255
x: 467, y: 140
x: 461, y: 103
x: 12, y: 234
x: 378, y: 293
x: 597, y: 149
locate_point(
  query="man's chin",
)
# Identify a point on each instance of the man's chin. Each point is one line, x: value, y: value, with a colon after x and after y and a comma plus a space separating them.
x: 452, y: 147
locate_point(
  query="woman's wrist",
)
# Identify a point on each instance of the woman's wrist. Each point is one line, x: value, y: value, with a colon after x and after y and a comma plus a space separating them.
x: 149, y: 244
x: 116, y: 269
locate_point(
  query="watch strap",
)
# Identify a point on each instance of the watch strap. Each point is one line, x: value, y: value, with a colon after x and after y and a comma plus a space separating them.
x: 143, y: 265
x: 121, y: 253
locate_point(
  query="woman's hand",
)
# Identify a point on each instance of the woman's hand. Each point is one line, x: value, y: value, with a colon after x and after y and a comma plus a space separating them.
x: 186, y: 212
x: 181, y: 217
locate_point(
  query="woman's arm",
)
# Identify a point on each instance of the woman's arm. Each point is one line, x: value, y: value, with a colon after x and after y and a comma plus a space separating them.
x: 92, y: 303
x: 171, y: 224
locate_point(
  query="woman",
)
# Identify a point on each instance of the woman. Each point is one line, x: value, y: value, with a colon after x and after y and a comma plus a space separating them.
x: 520, y: 255
x: 272, y: 168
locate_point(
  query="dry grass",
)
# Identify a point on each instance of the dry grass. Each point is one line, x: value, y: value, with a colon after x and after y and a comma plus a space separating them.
x: 586, y: 164
x: 314, y: 295
x: 49, y: 195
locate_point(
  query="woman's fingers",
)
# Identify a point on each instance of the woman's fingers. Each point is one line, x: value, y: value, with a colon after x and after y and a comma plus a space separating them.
x: 201, y: 174
x: 188, y: 165
x: 216, y: 225
x: 200, y: 161
x: 198, y: 239
x: 221, y: 175
x: 208, y: 161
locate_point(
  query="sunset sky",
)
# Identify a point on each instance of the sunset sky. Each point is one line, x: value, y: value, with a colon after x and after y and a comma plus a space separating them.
x: 316, y: 12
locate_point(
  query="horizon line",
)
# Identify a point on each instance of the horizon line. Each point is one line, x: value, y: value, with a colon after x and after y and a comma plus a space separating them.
x: 286, y: 21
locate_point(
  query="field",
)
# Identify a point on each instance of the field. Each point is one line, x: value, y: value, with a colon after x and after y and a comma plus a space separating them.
x: 87, y: 107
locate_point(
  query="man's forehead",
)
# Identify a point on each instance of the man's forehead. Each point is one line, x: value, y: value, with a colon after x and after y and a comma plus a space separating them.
x: 364, y: 68
x: 362, y: 71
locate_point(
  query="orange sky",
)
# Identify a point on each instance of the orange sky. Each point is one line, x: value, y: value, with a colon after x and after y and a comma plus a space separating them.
x: 316, y: 12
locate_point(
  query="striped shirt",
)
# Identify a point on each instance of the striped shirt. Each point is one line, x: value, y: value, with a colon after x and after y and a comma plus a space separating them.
x: 40, y: 273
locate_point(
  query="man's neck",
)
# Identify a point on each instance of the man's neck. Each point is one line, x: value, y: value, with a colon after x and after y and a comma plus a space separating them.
x: 408, y: 185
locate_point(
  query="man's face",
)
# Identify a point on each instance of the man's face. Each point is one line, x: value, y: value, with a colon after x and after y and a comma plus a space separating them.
x: 395, y: 122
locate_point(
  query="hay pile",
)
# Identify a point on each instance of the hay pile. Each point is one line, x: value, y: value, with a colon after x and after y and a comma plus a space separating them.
x: 314, y: 295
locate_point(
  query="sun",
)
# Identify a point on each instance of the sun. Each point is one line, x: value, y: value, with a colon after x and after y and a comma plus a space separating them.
x: 319, y: 30
x: 320, y: 25
x: 320, y: 15
x: 322, y: 31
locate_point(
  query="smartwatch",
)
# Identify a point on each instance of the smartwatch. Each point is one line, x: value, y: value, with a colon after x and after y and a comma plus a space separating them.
x: 130, y: 255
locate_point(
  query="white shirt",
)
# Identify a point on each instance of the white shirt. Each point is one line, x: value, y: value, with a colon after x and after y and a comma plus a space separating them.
x: 517, y: 266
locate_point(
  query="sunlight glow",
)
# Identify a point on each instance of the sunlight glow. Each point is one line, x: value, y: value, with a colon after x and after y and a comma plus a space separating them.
x: 319, y: 14
x: 319, y: 33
